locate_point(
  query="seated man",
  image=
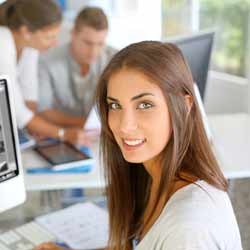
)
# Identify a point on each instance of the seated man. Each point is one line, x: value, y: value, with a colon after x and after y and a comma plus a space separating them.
x: 69, y: 74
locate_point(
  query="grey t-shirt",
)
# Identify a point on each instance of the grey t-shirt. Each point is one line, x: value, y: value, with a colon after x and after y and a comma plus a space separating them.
x: 61, y: 85
x: 197, y: 217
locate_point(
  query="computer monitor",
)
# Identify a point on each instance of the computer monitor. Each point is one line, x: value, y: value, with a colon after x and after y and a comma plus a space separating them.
x: 197, y: 51
x: 12, y: 190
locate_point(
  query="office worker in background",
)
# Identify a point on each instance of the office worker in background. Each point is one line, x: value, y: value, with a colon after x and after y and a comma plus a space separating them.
x: 27, y: 28
x: 69, y: 73
x: 165, y: 189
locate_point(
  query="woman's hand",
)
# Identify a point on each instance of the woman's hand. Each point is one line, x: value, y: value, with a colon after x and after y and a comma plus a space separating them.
x: 50, y: 246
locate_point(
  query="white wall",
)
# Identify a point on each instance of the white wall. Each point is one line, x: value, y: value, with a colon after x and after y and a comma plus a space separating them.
x: 129, y: 20
x: 134, y: 21
x: 226, y: 93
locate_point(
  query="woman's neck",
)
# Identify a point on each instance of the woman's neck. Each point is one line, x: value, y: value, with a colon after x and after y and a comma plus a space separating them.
x: 153, y: 167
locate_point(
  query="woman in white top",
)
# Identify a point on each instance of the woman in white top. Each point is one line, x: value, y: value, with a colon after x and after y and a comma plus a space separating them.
x: 28, y: 27
x: 165, y: 190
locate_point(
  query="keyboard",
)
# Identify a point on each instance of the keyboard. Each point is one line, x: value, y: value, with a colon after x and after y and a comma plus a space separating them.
x: 25, y: 237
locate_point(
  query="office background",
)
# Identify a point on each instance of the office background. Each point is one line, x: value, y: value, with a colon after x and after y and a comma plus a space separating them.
x: 227, y: 88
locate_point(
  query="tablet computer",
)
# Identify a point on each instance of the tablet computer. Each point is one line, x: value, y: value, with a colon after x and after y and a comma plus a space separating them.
x: 62, y: 155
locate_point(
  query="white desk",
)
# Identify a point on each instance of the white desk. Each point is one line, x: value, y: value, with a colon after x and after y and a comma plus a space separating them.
x: 35, y: 182
x: 231, y: 139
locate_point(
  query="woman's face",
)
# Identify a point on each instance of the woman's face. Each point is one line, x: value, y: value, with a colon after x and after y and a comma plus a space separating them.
x: 138, y: 116
x: 45, y: 38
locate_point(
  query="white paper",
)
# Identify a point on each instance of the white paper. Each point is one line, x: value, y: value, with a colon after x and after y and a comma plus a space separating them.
x: 81, y: 226
x: 93, y: 121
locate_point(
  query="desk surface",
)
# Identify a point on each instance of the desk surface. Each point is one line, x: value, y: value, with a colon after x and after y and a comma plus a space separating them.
x: 231, y: 139
x: 34, y: 182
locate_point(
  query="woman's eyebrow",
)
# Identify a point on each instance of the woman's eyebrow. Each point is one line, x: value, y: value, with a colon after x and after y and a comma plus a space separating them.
x: 132, y: 99
x: 112, y: 99
x: 140, y: 96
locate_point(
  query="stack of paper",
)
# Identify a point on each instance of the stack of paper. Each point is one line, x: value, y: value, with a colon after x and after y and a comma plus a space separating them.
x: 81, y: 226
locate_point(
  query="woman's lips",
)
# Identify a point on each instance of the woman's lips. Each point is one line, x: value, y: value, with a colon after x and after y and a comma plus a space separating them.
x: 131, y: 144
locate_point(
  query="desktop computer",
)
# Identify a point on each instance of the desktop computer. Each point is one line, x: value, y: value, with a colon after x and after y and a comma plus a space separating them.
x: 12, y: 190
x: 197, y: 50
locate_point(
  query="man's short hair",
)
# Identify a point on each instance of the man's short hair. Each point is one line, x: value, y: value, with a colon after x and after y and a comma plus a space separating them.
x: 93, y: 17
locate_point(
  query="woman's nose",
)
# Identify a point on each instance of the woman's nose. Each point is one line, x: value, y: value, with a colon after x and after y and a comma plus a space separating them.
x: 128, y: 122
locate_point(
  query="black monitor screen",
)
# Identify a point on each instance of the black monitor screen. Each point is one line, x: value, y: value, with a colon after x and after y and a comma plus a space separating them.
x: 197, y: 51
x: 8, y: 157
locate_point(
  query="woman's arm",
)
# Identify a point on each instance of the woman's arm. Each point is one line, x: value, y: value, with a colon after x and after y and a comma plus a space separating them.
x: 62, y: 119
x: 39, y: 126
x: 50, y: 246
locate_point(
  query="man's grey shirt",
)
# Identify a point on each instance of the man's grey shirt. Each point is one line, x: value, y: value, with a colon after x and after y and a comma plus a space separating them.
x: 61, y: 85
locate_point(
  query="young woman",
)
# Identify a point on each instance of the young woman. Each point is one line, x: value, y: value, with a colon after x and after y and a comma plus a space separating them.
x: 27, y: 28
x: 165, y: 189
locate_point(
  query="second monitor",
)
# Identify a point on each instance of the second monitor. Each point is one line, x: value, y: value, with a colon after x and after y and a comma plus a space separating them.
x: 197, y: 50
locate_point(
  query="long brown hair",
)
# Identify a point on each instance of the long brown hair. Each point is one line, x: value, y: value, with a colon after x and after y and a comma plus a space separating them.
x: 188, y: 149
x: 34, y: 14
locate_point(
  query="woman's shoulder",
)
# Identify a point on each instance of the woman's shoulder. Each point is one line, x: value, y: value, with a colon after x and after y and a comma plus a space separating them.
x: 5, y: 34
x: 200, y: 212
x: 4, y: 29
x: 7, y: 48
x: 198, y: 200
x: 197, y: 216
x: 198, y: 191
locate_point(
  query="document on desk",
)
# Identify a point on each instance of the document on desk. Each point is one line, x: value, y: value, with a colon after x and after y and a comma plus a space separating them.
x: 81, y: 226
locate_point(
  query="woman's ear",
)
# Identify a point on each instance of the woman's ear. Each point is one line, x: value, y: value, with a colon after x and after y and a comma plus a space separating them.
x: 189, y: 102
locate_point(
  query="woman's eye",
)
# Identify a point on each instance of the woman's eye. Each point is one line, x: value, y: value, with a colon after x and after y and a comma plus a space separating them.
x: 113, y: 105
x: 145, y: 105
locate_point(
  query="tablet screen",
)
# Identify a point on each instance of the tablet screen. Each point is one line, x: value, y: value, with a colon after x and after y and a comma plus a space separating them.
x: 61, y: 153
